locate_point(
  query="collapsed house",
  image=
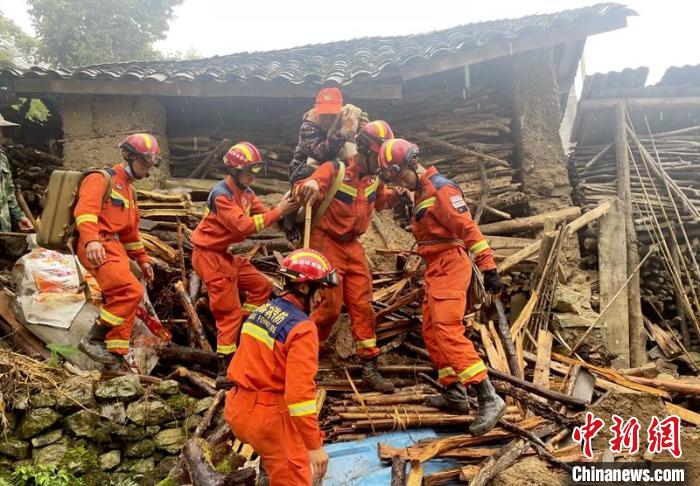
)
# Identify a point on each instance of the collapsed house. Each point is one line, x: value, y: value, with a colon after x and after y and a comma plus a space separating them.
x: 488, y: 104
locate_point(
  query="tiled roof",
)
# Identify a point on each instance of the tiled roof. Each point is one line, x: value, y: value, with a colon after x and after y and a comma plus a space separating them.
x: 681, y: 76
x: 342, y: 62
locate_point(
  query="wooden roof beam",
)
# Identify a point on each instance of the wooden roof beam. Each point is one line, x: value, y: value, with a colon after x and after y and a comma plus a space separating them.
x: 511, y: 47
x: 37, y: 87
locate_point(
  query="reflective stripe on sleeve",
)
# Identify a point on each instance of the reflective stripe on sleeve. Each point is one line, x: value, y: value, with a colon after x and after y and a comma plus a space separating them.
x: 302, y: 408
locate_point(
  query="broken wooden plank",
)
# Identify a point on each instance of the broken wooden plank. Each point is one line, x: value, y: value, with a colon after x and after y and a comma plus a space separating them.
x: 612, y: 375
x: 544, y: 358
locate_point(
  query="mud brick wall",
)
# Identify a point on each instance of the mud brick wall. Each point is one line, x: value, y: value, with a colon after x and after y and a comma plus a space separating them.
x: 94, y: 126
x: 536, y: 121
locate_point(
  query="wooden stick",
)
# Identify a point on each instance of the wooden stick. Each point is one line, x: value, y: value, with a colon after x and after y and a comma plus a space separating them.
x: 25, y: 208
x: 307, y: 225
x: 609, y: 304
x: 526, y: 385
x: 193, y: 317
x: 181, y: 253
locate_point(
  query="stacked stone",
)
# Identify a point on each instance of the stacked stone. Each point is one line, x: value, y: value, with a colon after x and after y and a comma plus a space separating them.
x: 114, y: 427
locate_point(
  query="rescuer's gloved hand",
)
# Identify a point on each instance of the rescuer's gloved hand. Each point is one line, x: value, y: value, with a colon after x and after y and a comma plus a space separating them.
x: 493, y: 283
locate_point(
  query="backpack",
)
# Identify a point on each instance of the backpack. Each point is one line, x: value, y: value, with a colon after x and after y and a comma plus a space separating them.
x: 57, y: 225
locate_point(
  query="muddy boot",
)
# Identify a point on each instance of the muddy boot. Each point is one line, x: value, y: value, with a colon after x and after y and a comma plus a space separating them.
x: 120, y: 365
x: 491, y: 408
x: 222, y: 382
x: 372, y: 379
x: 452, y: 399
x: 94, y: 344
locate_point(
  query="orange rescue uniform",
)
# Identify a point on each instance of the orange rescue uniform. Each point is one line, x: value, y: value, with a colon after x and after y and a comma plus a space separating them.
x: 336, y: 237
x: 273, y: 405
x: 444, y: 231
x: 232, y: 214
x: 116, y: 225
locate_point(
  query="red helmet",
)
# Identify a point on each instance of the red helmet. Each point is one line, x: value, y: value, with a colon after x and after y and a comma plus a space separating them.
x: 395, y: 154
x: 244, y: 155
x: 329, y: 101
x: 306, y: 265
x: 373, y: 135
x: 141, y: 145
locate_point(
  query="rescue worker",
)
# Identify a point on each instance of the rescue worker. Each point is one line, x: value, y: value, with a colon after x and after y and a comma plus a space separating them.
x: 336, y: 236
x: 108, y: 238
x: 233, y: 213
x: 10, y: 213
x: 273, y: 405
x: 444, y: 232
x: 315, y: 138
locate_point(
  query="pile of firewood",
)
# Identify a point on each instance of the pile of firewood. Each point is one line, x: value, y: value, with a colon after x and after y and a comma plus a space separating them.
x: 31, y: 169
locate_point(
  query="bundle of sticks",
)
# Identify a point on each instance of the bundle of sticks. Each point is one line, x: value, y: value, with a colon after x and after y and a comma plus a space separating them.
x: 666, y: 207
x: 31, y: 169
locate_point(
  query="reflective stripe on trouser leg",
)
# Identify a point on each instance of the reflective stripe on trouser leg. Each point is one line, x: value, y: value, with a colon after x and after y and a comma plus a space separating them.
x: 357, y: 295
x: 218, y: 272
x: 446, y: 374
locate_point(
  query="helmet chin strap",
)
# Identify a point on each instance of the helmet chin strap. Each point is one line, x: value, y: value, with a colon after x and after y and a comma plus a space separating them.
x: 236, y: 174
x: 130, y: 169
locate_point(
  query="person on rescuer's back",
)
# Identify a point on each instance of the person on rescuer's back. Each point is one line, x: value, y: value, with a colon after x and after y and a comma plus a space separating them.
x: 444, y: 232
x: 273, y: 405
x: 233, y: 213
x: 336, y: 236
x: 323, y: 133
x: 108, y: 238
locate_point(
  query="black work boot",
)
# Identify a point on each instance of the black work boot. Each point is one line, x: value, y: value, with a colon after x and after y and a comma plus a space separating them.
x: 452, y: 399
x: 222, y: 382
x: 491, y: 408
x: 94, y: 344
x: 372, y: 379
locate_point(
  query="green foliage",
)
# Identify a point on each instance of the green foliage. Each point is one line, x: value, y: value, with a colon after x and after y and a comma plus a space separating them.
x: 57, y: 349
x: 43, y: 475
x: 14, y: 42
x: 36, y: 111
x: 82, y: 32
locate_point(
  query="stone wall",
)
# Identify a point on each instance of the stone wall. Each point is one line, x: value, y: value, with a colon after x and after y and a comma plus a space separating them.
x: 102, y: 431
x: 532, y: 87
x: 94, y: 126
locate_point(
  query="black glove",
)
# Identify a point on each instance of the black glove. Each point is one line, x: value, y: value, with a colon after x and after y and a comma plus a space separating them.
x: 493, y: 283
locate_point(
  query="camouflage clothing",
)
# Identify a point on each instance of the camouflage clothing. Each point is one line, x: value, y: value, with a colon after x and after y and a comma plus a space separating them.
x: 314, y: 142
x: 10, y: 212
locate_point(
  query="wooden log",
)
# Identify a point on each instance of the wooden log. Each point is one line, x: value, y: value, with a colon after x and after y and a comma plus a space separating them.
x: 588, y: 217
x: 193, y: 317
x: 398, y: 472
x: 612, y: 264
x: 519, y: 256
x: 531, y: 223
x: 494, y: 466
x: 636, y: 335
x: 194, y: 380
x: 174, y: 353
x: 213, y: 155
x: 202, y: 472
